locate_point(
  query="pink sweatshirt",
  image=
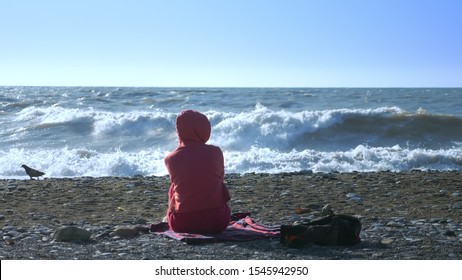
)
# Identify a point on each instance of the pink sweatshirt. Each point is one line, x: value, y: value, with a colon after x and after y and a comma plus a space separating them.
x: 196, y: 169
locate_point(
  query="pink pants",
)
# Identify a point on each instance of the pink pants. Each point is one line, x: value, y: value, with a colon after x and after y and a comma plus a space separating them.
x: 203, y: 222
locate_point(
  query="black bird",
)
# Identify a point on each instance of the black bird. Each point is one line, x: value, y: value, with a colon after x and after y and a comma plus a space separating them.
x: 32, y: 172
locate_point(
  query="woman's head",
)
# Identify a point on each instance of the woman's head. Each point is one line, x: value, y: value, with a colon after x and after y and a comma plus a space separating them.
x: 193, y: 126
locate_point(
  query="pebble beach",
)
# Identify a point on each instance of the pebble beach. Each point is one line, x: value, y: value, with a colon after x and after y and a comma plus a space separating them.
x: 405, y: 215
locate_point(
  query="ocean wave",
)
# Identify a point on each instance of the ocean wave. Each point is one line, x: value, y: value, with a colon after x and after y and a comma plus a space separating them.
x: 95, y: 122
x: 338, y: 129
x: 97, y: 141
x: 323, y: 130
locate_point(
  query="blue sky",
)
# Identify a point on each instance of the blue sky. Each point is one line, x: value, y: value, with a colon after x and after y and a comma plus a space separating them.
x: 206, y: 43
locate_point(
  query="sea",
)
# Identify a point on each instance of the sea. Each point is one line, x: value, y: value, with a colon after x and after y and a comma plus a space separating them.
x: 127, y: 131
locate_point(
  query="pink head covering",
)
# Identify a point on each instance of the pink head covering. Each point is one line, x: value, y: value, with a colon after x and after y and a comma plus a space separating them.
x: 192, y: 126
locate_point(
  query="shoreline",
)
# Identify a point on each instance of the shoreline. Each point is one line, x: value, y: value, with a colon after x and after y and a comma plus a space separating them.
x: 405, y: 215
x: 234, y: 174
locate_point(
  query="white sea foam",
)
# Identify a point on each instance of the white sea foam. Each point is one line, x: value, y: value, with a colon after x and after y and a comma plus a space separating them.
x: 361, y: 158
x: 81, y: 162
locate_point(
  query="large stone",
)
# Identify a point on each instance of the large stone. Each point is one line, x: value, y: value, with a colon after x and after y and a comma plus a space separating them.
x: 71, y: 233
x: 126, y: 232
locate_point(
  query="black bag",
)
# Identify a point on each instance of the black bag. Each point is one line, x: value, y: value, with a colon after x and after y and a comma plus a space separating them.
x: 330, y: 230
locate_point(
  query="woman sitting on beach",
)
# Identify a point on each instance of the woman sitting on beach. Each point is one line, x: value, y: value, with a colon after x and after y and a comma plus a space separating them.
x: 197, y: 196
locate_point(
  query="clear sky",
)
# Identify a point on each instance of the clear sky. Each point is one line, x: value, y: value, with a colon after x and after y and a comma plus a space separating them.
x: 231, y: 43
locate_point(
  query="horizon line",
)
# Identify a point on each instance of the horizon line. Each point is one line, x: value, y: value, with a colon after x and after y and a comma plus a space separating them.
x: 125, y: 86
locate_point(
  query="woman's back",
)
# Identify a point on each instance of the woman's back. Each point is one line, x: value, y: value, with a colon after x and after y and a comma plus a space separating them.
x: 196, y: 171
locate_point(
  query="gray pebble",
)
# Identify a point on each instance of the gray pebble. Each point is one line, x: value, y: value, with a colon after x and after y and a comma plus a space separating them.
x: 71, y: 233
x: 457, y: 205
x: 8, y: 228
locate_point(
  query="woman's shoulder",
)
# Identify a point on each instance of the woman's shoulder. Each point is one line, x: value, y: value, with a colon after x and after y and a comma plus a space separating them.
x: 195, y: 147
x: 213, y: 147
